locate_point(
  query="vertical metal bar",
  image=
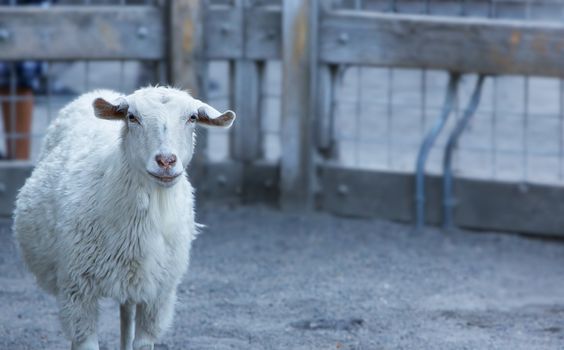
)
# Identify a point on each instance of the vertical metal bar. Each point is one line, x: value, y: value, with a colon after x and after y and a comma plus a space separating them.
x: 561, y: 121
x: 389, y: 115
x: 358, y: 112
x: 324, y: 96
x: 494, y: 121
x: 448, y: 200
x: 231, y: 71
x: 299, y: 27
x: 457, y: 117
x: 425, y: 149
x: 494, y: 127
x: 525, y: 131
x: 525, y: 161
x: 526, y: 114
x: 423, y: 93
x: 325, y: 110
x: 561, y: 130
x: 49, y: 92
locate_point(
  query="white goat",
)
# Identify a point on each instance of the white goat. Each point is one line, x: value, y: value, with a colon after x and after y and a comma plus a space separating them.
x: 108, y: 210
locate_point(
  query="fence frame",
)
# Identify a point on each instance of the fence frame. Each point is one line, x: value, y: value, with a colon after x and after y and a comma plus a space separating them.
x: 314, y: 42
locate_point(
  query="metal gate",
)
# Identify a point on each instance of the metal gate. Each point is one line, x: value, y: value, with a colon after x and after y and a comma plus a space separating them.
x: 469, y: 92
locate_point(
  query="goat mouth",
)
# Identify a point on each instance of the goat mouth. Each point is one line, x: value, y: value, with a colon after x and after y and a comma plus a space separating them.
x: 165, y: 178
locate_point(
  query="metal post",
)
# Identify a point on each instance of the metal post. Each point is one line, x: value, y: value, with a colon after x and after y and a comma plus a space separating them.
x: 448, y: 200
x: 389, y: 115
x: 325, y: 101
x: 425, y: 149
x: 561, y: 130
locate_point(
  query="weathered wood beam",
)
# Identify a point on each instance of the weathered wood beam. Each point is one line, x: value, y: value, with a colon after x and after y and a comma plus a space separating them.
x: 263, y: 34
x: 469, y: 45
x: 246, y: 90
x: 481, y: 204
x: 186, y: 65
x: 187, y: 68
x: 223, y: 32
x: 491, y: 46
x: 229, y: 36
x: 81, y: 32
x: 296, y: 173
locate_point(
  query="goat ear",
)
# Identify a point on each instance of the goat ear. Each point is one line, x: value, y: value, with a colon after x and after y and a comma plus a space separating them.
x: 210, y: 117
x: 110, y: 111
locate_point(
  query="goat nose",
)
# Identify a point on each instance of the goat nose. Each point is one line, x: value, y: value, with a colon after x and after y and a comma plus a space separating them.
x: 166, y: 161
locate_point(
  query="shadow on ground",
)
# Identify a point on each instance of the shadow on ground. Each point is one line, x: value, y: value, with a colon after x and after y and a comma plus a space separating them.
x: 261, y: 279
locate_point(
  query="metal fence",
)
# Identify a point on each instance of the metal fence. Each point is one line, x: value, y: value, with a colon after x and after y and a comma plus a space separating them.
x: 335, y: 98
x: 510, y: 144
x: 515, y: 135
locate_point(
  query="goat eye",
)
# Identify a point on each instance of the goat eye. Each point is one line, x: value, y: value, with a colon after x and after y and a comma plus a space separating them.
x: 132, y: 118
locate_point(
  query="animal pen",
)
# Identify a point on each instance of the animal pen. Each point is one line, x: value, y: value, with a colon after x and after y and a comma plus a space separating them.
x: 437, y: 111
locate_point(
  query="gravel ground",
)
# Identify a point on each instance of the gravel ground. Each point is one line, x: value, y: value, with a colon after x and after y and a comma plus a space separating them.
x: 262, y: 279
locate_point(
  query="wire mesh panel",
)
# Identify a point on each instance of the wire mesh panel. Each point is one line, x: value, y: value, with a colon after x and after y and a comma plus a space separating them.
x: 33, y: 91
x: 381, y: 113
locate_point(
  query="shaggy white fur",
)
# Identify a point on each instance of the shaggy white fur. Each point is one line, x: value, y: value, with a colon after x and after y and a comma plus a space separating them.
x: 108, y: 210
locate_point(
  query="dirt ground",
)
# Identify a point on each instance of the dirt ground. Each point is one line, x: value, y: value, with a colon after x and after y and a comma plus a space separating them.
x: 262, y: 279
